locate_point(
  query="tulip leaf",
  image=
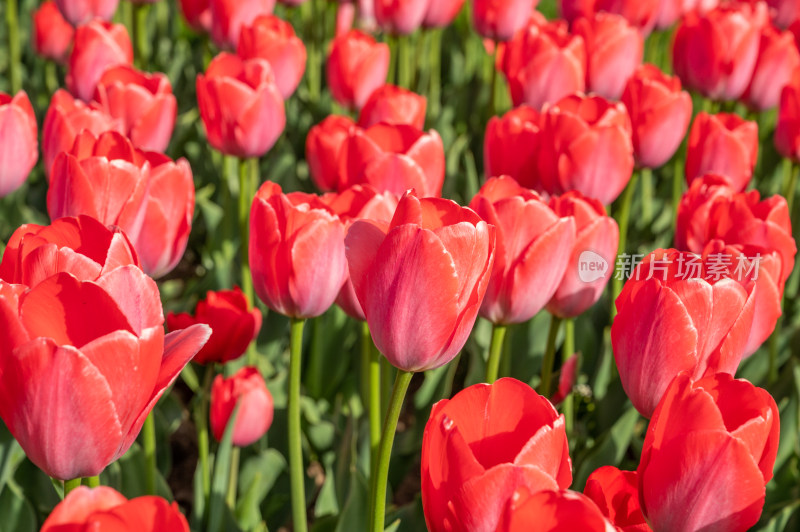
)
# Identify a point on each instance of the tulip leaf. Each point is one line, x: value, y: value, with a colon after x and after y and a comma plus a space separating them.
x: 17, y: 513
x: 780, y: 521
x: 609, y: 450
x: 221, y: 477
x: 11, y: 455
x: 355, y: 513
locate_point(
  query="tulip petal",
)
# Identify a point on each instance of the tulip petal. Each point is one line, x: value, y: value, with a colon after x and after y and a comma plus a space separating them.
x: 82, y: 502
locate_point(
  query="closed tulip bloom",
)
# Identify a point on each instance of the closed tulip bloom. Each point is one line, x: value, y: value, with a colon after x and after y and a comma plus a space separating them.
x: 616, y: 493
x: 509, y: 147
x: 98, y: 46
x: 228, y: 17
x: 296, y: 252
x: 533, y: 247
x: 499, y: 20
x: 673, y: 316
x: 614, y: 49
x: 723, y: 144
x: 596, y: 242
x: 554, y: 511
x: 716, y: 53
x: 660, y: 114
x: 400, y: 17
x: 787, y: 130
x: 104, y: 508
x: 78, y: 12
x: 778, y: 58
x: 142, y: 102
x: 323, y: 149
x: 441, y: 13
x: 356, y: 66
x: 393, y: 105
x: 197, y: 14
x: 421, y: 280
x: 19, y: 147
x: 784, y: 12
x: 732, y: 423
x: 234, y: 323
x: 52, y: 35
x: 393, y: 159
x: 543, y: 63
x: 572, y: 10
x: 274, y: 40
x: 692, y: 224
x: 474, y: 466
x: 241, y: 106
x: 585, y: 145
x: 640, y: 14
x: 247, y: 389
x: 145, y: 193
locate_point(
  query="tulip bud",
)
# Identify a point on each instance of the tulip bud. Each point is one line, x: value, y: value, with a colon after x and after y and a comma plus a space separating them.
x: 274, y: 40
x: 356, y: 66
x: 52, y: 35
x: 723, y: 144
x: 19, y: 147
x: 98, y: 46
x: 247, y: 389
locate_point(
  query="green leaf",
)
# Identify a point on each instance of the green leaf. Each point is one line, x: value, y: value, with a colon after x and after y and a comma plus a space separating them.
x: 256, y: 478
x: 221, y: 476
x: 355, y: 514
x: 609, y: 450
x: 779, y: 521
x: 17, y: 513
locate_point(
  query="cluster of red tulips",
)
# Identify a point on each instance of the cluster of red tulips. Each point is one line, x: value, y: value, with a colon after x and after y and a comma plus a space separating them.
x: 574, y: 126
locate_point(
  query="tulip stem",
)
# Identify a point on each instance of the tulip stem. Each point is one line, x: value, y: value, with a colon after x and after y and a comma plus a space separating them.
x: 93, y: 482
x: 371, y: 369
x: 404, y: 61
x: 677, y: 188
x: 789, y: 184
x: 139, y: 36
x: 233, y: 479
x: 569, y: 350
x: 623, y: 219
x: 647, y: 195
x: 381, y: 474
x: 201, y: 420
x: 248, y: 174
x: 549, y: 357
x: 296, y: 476
x: 493, y: 84
x: 435, y: 79
x: 495, y: 352
x: 149, y: 445
x: 307, y: 10
x: 14, y: 74
x: 70, y: 485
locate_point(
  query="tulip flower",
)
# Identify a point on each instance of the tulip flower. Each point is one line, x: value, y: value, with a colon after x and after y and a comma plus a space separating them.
x: 78, y: 12
x: 393, y: 105
x: 228, y: 17
x: 660, y: 114
x: 393, y: 159
x: 554, y: 511
x: 723, y: 144
x: 716, y: 53
x: 247, y: 389
x: 614, y: 49
x: 142, y: 102
x: 499, y: 20
x: 673, y: 316
x: 145, y: 193
x: 715, y: 461
x: 234, y: 323
x: 104, y: 508
x: 533, y: 246
x: 592, y: 258
x: 274, y: 40
x: 672, y: 11
x: 197, y: 14
x: 474, y: 466
x: 692, y: 224
x: 52, y: 35
x: 509, y: 147
x: 640, y: 14
x: 783, y: 12
x: 98, y: 46
x: 777, y: 59
x: 585, y: 145
x: 323, y: 149
x: 241, y: 106
x: 18, y: 141
x: 98, y: 376
x: 616, y: 493
x: 400, y: 17
x: 787, y: 130
x: 441, y: 13
x: 356, y: 66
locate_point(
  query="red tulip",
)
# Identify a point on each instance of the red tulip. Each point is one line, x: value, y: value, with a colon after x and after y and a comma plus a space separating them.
x: 52, y: 35
x: 79, y: 12
x: 98, y: 46
x: 19, y: 147
x: 234, y: 324
x: 673, y: 316
x: 585, y: 145
x: 103, y: 508
x: 474, y: 466
x: 778, y: 58
x: 716, y: 53
x: 197, y: 14
x: 660, y: 114
x: 421, y: 280
x: 543, y: 63
x: 393, y: 105
x: 568, y: 375
x: 692, y: 225
x: 400, y: 17
x: 273, y: 39
x: 592, y: 257
x: 145, y: 193
x: 723, y: 144
x: 98, y: 376
x: 616, y: 493
x: 784, y: 12
x: 142, y: 102
x: 715, y: 461
x: 499, y: 20
x: 247, y: 389
x: 356, y: 66
x: 509, y: 147
x: 65, y: 118
x: 393, y: 159
x: 296, y: 252
x: 787, y: 130
x: 533, y: 249
x: 614, y: 49
x: 228, y: 17
x: 553, y: 511
x: 672, y: 11
x: 441, y: 13
x: 641, y: 14
x: 323, y: 150
x: 241, y: 106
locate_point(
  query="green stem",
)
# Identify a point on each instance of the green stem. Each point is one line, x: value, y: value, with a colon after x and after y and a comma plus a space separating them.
x: 247, y: 169
x: 381, y: 476
x: 139, y: 36
x: 387, y: 377
x: 549, y: 357
x: 569, y: 350
x: 677, y: 188
x: 404, y: 61
x: 296, y: 476
x: 435, y: 92
x: 93, y: 482
x: 772, y: 374
x: 370, y: 364
x: 233, y: 479
x: 495, y: 352
x: 647, y: 195
x: 308, y: 13
x: 70, y: 485
x: 391, y: 77
x: 127, y: 16
x: 51, y: 77
x: 789, y: 184
x: 493, y: 85
x: 623, y: 219
x: 14, y: 63
x: 149, y: 445
x: 201, y: 420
